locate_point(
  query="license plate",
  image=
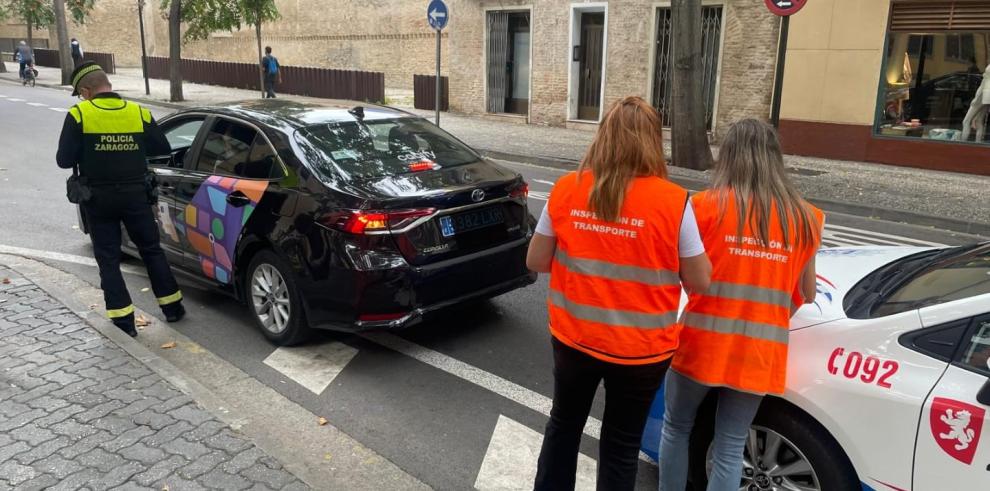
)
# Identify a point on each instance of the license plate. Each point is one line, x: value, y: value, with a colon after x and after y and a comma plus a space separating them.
x: 472, y: 220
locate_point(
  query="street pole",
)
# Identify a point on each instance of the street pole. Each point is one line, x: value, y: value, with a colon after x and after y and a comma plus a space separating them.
x: 778, y: 83
x: 437, y: 100
x: 144, y: 49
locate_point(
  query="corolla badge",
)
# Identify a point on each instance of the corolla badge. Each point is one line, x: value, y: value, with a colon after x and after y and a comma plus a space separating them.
x: 478, y: 195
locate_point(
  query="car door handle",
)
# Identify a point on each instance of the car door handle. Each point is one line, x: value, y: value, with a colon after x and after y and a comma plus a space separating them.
x: 238, y: 199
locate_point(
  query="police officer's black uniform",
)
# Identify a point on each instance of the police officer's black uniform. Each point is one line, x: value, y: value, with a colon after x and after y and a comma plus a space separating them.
x: 109, y: 139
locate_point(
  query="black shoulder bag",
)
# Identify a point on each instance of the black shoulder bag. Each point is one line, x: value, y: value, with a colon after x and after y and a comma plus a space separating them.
x: 76, y: 188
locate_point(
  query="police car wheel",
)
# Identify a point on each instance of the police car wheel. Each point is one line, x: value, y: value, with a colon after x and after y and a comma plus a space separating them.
x: 786, y: 449
x: 274, y: 300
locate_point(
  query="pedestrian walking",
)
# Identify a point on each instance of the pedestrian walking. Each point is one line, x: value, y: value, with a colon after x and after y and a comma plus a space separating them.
x: 619, y: 240
x: 761, y: 237
x: 106, y: 141
x: 270, y: 68
x: 25, y: 58
x: 77, y: 52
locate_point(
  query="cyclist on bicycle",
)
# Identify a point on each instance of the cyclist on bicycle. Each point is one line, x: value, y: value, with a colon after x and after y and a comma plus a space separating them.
x: 25, y: 56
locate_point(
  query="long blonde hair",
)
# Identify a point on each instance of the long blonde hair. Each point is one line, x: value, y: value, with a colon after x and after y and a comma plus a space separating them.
x: 629, y: 144
x: 750, y: 167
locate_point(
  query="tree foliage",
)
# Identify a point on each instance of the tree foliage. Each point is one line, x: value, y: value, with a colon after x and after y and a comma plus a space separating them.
x: 204, y: 17
x: 39, y: 13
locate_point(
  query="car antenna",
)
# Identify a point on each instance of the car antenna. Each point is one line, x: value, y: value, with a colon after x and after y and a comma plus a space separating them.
x: 357, y: 111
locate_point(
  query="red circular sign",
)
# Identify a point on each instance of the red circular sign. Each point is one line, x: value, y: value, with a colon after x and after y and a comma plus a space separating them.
x: 785, y: 7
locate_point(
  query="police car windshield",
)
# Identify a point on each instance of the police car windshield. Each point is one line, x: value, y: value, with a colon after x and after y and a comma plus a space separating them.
x: 379, y: 148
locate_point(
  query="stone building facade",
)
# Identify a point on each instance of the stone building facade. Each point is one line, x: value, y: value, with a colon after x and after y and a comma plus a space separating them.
x: 561, y: 61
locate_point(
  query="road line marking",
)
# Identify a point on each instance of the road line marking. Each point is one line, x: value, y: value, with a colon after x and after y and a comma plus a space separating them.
x: 37, y: 104
x: 541, y: 181
x: 14, y: 99
x: 2, y: 96
x: 512, y: 455
x: 313, y: 367
x: 882, y: 235
x: 58, y: 109
x: 865, y: 239
x: 488, y: 381
x: 540, y: 196
x: 65, y: 258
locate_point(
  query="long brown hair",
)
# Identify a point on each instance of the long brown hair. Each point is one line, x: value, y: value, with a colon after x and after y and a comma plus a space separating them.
x: 750, y: 167
x: 629, y: 144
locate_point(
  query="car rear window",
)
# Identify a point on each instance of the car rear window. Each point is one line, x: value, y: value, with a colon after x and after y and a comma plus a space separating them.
x: 378, y: 148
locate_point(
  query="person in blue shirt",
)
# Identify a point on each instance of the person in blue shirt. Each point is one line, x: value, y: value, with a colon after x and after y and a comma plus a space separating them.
x: 270, y: 68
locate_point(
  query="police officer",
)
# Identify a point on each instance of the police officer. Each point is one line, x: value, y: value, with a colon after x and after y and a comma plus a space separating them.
x: 109, y: 139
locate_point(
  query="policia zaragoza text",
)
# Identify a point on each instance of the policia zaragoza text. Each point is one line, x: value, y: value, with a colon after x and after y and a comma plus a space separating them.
x: 106, y: 142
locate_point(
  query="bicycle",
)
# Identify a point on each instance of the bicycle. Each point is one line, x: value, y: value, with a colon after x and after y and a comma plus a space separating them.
x: 29, y: 76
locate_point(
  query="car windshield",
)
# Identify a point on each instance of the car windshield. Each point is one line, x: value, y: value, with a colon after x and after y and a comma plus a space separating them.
x: 378, y: 148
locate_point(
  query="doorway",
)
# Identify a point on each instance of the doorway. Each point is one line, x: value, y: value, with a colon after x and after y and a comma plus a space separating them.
x: 588, y: 54
x: 508, y: 67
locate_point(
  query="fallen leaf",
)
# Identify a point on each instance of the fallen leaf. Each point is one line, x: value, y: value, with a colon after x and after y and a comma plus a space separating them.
x: 92, y: 306
x: 144, y: 289
x: 322, y: 421
x: 142, y: 321
x: 75, y: 227
x: 168, y: 345
x: 165, y: 487
x: 5, y: 281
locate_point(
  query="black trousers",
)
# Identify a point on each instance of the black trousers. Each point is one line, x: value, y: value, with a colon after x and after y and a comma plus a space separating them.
x: 270, y: 86
x: 110, y: 207
x: 629, y: 393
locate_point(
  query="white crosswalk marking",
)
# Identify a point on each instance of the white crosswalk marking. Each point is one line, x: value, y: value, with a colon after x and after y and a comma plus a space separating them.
x: 58, y: 109
x: 2, y: 96
x: 314, y: 367
x: 37, y: 104
x: 510, y: 461
x: 14, y: 99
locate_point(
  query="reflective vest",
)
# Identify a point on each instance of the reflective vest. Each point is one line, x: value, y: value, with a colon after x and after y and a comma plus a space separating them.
x: 113, y: 140
x: 735, y: 334
x: 614, y: 286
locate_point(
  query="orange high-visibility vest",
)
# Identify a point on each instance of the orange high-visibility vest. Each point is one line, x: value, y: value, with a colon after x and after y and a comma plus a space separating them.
x: 614, y: 286
x: 735, y: 334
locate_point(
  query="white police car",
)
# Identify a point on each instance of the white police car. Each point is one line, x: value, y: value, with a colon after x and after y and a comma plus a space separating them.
x: 888, y: 384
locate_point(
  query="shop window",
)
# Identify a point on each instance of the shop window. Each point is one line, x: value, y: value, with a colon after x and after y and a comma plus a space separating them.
x: 933, y: 86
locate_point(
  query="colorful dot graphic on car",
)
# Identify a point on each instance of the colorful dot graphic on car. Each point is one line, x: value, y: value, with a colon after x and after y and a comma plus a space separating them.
x: 213, y: 225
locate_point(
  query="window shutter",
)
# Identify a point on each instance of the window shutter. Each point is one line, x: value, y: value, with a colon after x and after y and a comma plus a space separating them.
x: 936, y: 16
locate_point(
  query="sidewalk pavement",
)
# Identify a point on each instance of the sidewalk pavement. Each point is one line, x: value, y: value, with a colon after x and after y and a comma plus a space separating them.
x: 76, y: 411
x: 945, y: 200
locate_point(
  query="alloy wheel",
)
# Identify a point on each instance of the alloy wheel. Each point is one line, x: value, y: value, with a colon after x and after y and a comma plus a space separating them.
x: 771, y: 462
x: 270, y: 298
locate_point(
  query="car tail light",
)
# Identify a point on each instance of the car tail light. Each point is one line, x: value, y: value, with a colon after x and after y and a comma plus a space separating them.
x: 360, y: 222
x: 520, y: 191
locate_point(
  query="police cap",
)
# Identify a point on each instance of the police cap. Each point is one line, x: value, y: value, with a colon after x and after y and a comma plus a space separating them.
x: 81, y: 71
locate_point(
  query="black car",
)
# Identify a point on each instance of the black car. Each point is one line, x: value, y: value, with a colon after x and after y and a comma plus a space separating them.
x: 335, y: 218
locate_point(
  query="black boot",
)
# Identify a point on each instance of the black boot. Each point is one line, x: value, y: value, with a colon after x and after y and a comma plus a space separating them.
x: 127, y: 326
x: 174, y: 312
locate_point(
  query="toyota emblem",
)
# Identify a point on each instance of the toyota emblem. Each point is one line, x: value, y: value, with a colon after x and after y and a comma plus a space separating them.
x: 478, y: 195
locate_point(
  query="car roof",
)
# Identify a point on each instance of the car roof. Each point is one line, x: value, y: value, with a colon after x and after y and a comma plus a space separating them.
x: 292, y: 115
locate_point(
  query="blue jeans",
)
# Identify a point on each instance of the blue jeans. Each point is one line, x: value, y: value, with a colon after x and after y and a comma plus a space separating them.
x: 735, y: 413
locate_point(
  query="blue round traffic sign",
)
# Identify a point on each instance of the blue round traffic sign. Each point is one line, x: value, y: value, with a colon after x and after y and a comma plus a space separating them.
x: 437, y: 14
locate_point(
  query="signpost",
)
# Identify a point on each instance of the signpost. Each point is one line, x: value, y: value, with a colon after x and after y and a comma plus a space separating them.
x: 785, y: 9
x: 144, y: 50
x: 437, y: 15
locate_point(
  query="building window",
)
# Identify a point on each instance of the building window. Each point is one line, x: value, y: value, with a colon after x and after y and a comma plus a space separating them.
x: 937, y: 57
x: 711, y: 24
x: 508, y: 62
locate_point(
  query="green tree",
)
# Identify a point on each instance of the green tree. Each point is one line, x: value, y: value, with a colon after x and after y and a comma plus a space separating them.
x: 35, y: 13
x: 204, y: 17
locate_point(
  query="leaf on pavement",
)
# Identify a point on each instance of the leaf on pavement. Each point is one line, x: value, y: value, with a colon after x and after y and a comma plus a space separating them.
x: 322, y: 421
x: 168, y: 345
x: 5, y: 281
x: 144, y: 289
x: 142, y: 321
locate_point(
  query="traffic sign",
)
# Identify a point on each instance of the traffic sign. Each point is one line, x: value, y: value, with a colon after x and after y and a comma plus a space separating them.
x: 437, y: 14
x: 785, y: 8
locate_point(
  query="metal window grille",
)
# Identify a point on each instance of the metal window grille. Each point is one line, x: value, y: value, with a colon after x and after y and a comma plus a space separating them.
x: 711, y: 22
x: 939, y: 15
x: 498, y: 53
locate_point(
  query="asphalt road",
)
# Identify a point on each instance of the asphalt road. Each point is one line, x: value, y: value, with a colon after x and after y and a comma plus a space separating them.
x: 458, y: 401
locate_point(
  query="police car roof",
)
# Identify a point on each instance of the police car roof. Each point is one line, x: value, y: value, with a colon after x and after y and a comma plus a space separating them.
x: 287, y: 114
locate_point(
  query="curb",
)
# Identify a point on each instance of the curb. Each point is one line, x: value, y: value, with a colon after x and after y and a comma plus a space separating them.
x: 943, y: 223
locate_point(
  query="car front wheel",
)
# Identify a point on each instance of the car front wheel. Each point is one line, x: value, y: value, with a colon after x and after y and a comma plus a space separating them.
x: 786, y: 450
x: 274, y: 300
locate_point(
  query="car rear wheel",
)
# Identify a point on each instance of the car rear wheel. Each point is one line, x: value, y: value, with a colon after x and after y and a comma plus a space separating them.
x: 786, y: 451
x: 274, y: 300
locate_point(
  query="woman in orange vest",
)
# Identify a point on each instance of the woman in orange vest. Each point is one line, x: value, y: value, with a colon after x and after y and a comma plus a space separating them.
x: 618, y: 240
x: 761, y: 237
